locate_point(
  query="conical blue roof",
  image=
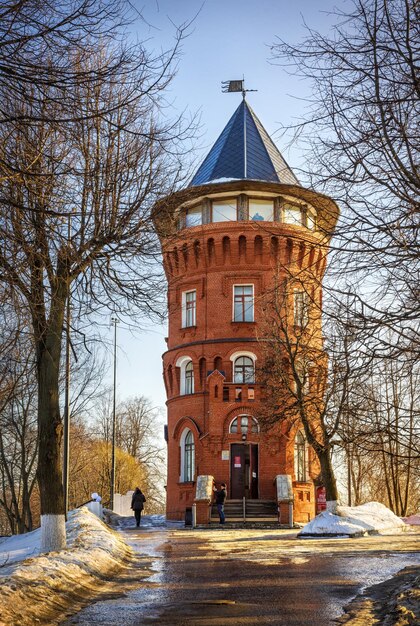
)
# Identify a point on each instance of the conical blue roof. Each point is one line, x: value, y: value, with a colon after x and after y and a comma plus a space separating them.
x: 244, y: 150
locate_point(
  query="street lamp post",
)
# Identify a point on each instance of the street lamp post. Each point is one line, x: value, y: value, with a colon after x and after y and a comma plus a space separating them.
x: 66, y: 429
x: 114, y: 321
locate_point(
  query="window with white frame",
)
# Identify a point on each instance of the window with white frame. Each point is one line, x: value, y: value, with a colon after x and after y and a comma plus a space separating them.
x: 243, y: 303
x: 189, y: 378
x: 186, y: 375
x: 292, y: 214
x: 300, y: 457
x: 261, y: 210
x: 189, y: 304
x: 302, y: 370
x: 194, y: 216
x: 243, y: 370
x: 300, y: 307
x: 224, y: 211
x: 187, y: 456
x: 244, y: 424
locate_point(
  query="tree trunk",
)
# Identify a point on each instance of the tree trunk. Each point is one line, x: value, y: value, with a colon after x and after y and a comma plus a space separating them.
x: 328, y: 478
x: 50, y: 429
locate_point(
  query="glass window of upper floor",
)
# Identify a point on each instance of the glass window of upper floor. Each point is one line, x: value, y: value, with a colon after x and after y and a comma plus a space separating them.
x: 224, y: 211
x: 292, y: 214
x: 253, y: 209
x: 244, y: 424
x: 189, y: 378
x: 189, y: 304
x: 194, y: 216
x: 243, y: 303
x: 261, y: 210
x: 243, y: 370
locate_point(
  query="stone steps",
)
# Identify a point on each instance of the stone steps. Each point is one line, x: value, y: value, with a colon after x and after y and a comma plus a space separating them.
x: 256, y: 511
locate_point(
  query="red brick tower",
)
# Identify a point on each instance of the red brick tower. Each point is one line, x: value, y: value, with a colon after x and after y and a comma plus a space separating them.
x: 243, y: 219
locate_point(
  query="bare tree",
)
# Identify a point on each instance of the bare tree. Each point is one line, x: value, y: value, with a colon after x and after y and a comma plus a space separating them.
x: 381, y: 433
x: 18, y: 432
x: 18, y: 439
x: 138, y: 426
x: 361, y: 134
x: 90, y: 461
x: 34, y: 39
x: 74, y: 216
x: 301, y: 385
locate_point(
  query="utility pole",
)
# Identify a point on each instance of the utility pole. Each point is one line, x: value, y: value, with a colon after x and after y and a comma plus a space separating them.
x: 114, y: 321
x: 66, y: 433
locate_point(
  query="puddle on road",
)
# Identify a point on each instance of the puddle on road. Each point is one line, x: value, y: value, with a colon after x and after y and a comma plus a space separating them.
x: 171, y: 594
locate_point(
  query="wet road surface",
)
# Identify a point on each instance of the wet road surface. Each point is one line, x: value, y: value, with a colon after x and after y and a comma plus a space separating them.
x: 234, y: 577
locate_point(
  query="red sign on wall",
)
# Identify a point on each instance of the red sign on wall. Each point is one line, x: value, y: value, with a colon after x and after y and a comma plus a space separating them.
x: 237, y: 461
x: 321, y: 499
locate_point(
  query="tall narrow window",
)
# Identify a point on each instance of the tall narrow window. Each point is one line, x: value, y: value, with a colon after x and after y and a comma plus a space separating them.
x: 244, y: 370
x: 243, y: 305
x: 310, y: 220
x: 187, y: 457
x: 189, y: 301
x: 302, y: 370
x: 300, y: 457
x: 189, y: 378
x: 301, y: 308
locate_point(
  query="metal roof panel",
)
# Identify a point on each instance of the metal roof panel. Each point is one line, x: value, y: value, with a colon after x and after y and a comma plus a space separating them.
x: 244, y: 150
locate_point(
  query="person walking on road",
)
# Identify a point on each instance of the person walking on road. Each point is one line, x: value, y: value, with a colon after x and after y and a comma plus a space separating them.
x: 137, y: 502
x: 220, y: 502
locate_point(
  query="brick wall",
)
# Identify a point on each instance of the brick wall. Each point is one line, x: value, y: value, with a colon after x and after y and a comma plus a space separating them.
x: 211, y: 259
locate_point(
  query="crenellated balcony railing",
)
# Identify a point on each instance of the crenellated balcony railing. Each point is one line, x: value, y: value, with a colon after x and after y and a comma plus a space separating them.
x: 239, y: 392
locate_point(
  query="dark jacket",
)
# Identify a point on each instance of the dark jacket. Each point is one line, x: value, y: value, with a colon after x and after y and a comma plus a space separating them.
x: 221, y: 496
x: 137, y: 501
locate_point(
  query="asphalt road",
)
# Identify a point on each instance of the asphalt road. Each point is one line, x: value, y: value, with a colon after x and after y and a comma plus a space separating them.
x: 225, y: 577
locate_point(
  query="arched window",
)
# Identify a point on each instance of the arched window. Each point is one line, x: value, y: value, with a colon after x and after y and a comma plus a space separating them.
x: 187, y: 456
x: 244, y: 424
x: 186, y: 375
x: 300, y: 457
x: 189, y: 378
x: 244, y: 370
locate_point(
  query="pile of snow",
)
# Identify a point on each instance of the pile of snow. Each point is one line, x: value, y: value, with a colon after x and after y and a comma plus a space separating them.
x: 223, y: 179
x: 369, y: 518
x: 18, y: 548
x: 62, y: 579
x: 413, y: 520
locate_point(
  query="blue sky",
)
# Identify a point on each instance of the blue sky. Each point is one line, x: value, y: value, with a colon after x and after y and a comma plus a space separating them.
x: 228, y: 39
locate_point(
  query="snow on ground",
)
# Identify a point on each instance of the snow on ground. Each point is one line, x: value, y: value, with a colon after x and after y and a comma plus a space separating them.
x: 412, y: 520
x: 18, y: 548
x: 148, y: 522
x: 369, y: 518
x: 61, y: 579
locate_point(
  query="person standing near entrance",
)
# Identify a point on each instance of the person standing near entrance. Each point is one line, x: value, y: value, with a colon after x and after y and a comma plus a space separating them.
x: 220, y: 502
x: 137, y: 503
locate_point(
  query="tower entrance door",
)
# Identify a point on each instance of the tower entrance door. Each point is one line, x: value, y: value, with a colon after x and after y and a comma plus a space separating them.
x: 244, y: 471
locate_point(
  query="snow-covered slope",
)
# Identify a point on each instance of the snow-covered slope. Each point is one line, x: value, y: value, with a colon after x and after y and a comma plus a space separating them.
x: 61, y: 579
x: 369, y: 518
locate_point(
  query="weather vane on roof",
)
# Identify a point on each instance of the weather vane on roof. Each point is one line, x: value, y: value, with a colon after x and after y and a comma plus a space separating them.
x: 231, y: 86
